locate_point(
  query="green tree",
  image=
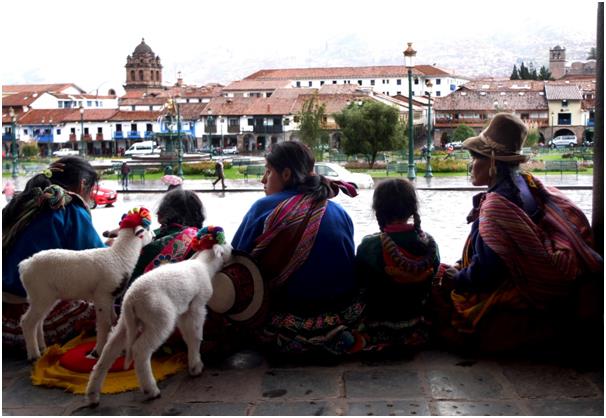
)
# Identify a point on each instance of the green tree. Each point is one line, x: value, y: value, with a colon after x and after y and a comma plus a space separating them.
x: 462, y: 132
x: 533, y: 72
x: 312, y: 119
x: 533, y: 137
x: 369, y: 128
x: 524, y: 73
x: 514, y: 74
x: 592, y: 54
x: 544, y: 73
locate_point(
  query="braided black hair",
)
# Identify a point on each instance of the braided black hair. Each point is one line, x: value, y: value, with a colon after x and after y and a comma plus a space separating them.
x: 182, y: 207
x: 396, y: 200
x: 300, y: 160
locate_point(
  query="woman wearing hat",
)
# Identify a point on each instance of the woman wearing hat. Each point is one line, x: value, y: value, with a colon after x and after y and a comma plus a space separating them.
x: 528, y: 248
x: 303, y: 244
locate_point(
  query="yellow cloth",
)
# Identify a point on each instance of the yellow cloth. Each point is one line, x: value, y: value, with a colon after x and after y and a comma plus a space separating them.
x: 48, y: 372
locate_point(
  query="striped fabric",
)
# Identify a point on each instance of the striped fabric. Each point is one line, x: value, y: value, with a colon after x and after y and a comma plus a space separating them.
x: 299, y: 210
x: 544, y: 258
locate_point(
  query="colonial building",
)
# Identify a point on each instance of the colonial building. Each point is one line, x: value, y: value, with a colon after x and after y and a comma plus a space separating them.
x: 559, y: 69
x: 390, y: 80
x: 561, y: 107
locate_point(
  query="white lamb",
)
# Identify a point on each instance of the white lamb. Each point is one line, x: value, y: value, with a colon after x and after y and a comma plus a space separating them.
x: 99, y: 274
x: 171, y: 295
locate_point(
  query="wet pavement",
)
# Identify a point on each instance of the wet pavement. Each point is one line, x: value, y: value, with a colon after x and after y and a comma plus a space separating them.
x: 431, y: 382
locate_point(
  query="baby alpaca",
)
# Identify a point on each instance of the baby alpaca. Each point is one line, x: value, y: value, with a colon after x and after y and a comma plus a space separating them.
x: 171, y: 295
x: 98, y: 274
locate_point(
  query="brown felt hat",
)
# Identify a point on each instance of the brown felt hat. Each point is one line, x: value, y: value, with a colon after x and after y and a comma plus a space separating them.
x: 502, y: 139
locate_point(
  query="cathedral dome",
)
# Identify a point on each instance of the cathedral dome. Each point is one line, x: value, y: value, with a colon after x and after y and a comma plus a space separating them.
x: 143, y: 49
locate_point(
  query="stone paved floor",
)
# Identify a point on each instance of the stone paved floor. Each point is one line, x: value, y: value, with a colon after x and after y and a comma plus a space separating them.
x: 432, y: 382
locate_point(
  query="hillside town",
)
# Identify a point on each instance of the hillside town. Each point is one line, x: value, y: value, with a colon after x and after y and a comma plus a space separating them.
x: 264, y: 107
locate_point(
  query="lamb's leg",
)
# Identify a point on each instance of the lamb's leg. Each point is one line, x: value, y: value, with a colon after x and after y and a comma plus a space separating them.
x: 31, y: 324
x: 152, y: 336
x: 111, y: 351
x: 190, y: 324
x: 104, y: 311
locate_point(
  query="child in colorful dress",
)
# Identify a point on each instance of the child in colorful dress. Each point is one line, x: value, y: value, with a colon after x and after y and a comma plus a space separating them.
x: 397, y: 266
x: 180, y: 215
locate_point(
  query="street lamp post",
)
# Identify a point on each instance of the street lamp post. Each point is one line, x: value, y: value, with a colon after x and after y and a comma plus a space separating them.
x: 409, y: 55
x: 14, y: 152
x: 180, y: 145
x: 552, y: 125
x: 428, y: 171
x: 209, y: 121
x: 82, y: 153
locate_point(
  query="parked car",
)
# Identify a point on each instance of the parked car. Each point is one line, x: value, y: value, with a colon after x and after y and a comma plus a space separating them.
x: 454, y: 145
x: 336, y: 172
x: 230, y: 151
x: 102, y: 196
x: 564, y: 141
x: 64, y: 152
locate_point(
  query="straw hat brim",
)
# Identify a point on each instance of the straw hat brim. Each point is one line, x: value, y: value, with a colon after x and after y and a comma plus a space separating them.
x: 226, y: 288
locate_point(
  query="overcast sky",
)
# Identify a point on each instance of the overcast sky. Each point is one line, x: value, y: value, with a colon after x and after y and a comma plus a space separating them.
x: 86, y: 42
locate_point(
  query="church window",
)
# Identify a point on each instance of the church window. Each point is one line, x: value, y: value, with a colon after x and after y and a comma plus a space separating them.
x: 140, y: 75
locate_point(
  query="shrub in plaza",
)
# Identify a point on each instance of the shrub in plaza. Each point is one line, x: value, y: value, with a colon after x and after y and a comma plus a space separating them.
x: 448, y: 165
x: 29, y: 150
x: 206, y: 168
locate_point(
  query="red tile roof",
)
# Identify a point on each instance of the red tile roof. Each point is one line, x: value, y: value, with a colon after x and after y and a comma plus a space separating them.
x: 471, y: 100
x: 36, y: 116
x: 563, y: 92
x: 503, y: 85
x: 256, y: 85
x: 122, y: 115
x: 344, y: 72
x: 40, y: 88
x: 19, y: 99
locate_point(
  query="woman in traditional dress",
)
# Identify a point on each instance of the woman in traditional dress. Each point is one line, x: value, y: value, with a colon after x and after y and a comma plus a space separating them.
x: 529, y: 251
x: 51, y: 212
x: 397, y: 266
x: 303, y: 244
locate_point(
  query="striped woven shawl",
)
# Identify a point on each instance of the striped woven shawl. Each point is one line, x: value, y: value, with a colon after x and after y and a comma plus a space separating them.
x: 297, y: 220
x: 545, y: 258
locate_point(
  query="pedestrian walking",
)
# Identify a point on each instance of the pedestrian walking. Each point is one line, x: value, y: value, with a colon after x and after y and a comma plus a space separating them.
x: 124, y: 173
x: 220, y: 174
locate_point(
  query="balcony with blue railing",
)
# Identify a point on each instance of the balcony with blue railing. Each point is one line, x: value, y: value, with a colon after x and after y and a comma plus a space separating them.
x: 45, y: 138
x: 118, y: 135
x: 7, y: 137
x: 149, y: 134
x: 134, y: 135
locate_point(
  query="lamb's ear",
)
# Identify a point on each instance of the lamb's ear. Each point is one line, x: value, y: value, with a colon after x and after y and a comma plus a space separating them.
x: 140, y: 231
x: 111, y: 234
x: 218, y: 250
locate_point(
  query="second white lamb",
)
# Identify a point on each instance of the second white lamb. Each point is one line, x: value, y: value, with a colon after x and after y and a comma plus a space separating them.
x: 168, y: 296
